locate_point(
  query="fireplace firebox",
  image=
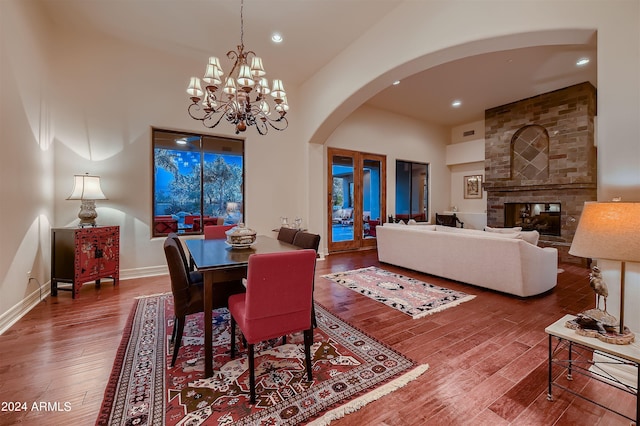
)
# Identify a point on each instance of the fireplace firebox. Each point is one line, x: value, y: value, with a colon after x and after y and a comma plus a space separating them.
x: 541, y: 217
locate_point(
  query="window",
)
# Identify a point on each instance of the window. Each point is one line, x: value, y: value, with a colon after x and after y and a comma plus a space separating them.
x: 412, y: 191
x: 198, y: 180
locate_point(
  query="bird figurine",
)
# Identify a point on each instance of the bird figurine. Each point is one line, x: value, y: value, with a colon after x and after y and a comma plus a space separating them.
x: 599, y: 286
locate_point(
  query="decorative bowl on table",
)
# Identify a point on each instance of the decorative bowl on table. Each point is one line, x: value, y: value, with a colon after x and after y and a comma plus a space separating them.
x: 240, y: 236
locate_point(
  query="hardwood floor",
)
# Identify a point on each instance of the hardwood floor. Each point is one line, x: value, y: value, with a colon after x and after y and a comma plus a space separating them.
x: 487, y: 357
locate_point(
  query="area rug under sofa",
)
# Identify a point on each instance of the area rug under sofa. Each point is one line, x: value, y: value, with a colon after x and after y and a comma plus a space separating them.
x: 350, y: 369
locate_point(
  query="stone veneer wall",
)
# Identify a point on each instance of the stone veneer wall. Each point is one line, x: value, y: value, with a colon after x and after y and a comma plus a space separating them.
x: 567, y: 116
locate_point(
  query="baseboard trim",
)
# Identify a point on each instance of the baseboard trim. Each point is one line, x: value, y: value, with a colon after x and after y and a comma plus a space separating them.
x: 150, y: 271
x: 20, y: 309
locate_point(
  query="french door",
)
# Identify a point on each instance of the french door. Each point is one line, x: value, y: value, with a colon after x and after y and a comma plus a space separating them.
x: 357, y: 198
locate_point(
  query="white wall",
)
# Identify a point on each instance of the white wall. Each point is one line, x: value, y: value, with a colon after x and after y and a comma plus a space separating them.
x: 26, y: 163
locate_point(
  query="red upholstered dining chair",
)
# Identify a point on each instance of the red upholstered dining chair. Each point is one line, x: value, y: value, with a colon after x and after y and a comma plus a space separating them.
x: 278, y: 302
x: 287, y: 235
x: 216, y: 232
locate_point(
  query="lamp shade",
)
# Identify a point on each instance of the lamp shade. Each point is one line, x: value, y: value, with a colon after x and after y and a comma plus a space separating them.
x: 609, y: 231
x: 86, y: 187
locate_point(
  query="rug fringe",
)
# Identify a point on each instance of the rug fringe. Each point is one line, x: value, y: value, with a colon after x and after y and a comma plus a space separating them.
x: 358, y: 403
x: 443, y: 307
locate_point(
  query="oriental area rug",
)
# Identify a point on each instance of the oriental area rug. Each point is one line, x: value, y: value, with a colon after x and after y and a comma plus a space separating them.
x: 408, y: 295
x: 350, y: 369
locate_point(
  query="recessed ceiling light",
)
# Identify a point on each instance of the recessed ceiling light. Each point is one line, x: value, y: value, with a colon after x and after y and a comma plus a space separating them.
x: 181, y: 141
x: 582, y: 62
x: 276, y: 38
x: 456, y: 103
x: 395, y: 83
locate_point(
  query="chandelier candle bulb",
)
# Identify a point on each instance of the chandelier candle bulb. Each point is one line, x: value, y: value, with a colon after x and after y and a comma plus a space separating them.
x: 194, y: 89
x: 256, y: 67
x: 278, y: 89
x: 244, y: 77
x: 263, y: 86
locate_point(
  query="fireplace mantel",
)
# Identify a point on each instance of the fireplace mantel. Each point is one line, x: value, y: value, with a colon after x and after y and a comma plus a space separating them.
x: 498, y: 187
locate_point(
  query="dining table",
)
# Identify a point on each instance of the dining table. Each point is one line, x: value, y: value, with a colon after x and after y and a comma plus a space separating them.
x: 220, y: 262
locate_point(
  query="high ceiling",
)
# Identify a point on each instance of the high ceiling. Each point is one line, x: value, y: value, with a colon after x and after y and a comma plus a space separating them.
x: 314, y: 32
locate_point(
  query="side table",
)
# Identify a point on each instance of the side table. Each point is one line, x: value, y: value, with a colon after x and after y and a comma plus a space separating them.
x: 578, y: 358
x: 80, y: 255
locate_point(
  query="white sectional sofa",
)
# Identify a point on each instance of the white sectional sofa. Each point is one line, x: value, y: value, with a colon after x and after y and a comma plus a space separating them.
x: 501, y: 261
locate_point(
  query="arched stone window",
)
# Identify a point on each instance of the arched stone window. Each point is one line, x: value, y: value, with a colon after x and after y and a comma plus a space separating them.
x: 530, y: 153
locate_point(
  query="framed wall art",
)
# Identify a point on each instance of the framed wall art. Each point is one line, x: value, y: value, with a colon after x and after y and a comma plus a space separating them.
x: 473, y: 186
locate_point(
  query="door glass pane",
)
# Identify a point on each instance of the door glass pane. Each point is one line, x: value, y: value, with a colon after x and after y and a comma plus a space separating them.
x: 371, y: 197
x: 342, y: 198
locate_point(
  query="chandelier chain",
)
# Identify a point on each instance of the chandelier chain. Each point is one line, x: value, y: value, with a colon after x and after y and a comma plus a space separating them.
x: 242, y: 22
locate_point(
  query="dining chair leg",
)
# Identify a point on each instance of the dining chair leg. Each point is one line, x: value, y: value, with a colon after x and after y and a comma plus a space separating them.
x: 313, y: 316
x: 252, y: 375
x: 308, y: 341
x: 178, y: 326
x: 175, y: 330
x: 233, y: 337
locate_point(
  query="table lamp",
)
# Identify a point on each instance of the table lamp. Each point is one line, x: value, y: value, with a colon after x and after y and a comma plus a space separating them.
x: 87, y: 189
x: 609, y: 231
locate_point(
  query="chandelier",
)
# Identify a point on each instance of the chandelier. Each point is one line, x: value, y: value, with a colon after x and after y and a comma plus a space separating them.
x: 242, y: 101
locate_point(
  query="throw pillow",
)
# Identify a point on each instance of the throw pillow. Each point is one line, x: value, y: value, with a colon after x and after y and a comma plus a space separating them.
x: 412, y: 222
x: 530, y: 237
x: 503, y: 230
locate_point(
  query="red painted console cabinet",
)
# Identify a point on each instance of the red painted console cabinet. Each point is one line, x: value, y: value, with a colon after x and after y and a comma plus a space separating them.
x: 80, y: 255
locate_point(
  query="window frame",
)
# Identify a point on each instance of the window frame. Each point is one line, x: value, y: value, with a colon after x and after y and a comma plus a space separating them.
x: 204, y: 140
x: 424, y: 215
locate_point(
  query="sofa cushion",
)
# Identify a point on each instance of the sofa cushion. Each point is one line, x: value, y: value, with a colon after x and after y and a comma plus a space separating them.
x: 531, y: 237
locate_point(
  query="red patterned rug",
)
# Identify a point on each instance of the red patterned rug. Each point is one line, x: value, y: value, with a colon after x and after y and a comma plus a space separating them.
x: 408, y: 295
x: 350, y: 369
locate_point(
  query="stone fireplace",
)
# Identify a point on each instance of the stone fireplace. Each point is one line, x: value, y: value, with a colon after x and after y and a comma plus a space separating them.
x: 540, y: 154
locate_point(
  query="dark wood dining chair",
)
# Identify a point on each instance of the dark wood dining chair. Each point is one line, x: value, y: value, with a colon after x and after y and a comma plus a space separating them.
x: 187, y: 293
x: 278, y: 302
x: 195, y: 277
x: 287, y: 235
x: 307, y: 240
x: 187, y: 298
